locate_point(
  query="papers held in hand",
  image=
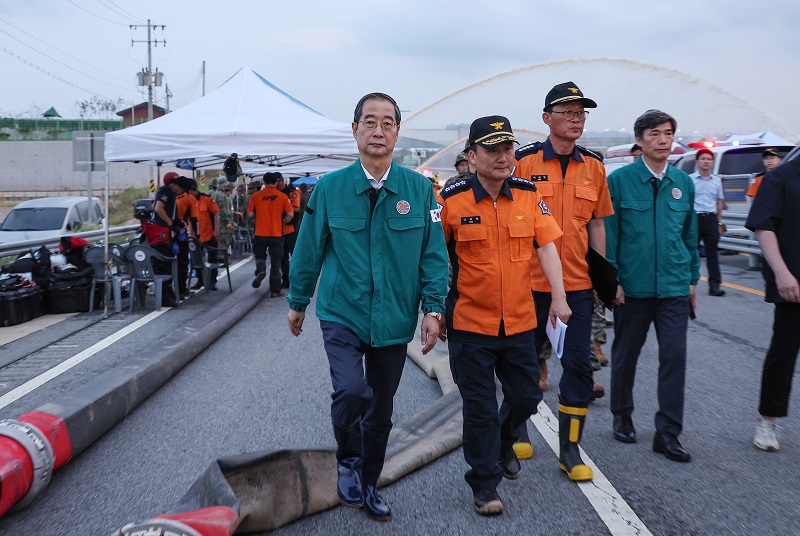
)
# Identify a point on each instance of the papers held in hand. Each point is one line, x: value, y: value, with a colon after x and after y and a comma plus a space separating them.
x: 604, y: 277
x: 556, y: 336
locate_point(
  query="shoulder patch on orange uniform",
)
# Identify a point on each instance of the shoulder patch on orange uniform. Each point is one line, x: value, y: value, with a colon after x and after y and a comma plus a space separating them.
x: 522, y: 184
x: 456, y: 187
x: 586, y: 152
x: 525, y: 150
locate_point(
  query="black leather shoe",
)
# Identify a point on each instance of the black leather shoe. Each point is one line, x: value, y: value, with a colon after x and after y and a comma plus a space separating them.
x: 375, y: 506
x: 623, y: 429
x: 510, y: 464
x: 349, y: 484
x: 716, y: 292
x: 669, y: 446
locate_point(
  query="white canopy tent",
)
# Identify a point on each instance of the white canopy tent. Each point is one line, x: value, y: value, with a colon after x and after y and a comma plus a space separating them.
x: 246, y: 115
x: 767, y: 138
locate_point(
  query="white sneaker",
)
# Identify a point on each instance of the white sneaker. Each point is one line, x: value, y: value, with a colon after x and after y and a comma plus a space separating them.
x: 766, y: 437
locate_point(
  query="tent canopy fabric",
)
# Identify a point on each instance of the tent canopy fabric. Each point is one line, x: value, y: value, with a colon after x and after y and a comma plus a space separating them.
x: 246, y: 115
x: 768, y: 138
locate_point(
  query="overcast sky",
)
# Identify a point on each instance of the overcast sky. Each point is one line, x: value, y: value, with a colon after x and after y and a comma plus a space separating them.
x: 328, y: 54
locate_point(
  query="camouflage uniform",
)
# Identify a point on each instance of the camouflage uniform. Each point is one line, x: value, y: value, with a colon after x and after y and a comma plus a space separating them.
x: 456, y: 178
x: 598, y: 332
x: 223, y: 201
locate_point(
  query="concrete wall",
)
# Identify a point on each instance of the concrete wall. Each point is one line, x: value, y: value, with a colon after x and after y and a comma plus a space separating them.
x: 46, y: 166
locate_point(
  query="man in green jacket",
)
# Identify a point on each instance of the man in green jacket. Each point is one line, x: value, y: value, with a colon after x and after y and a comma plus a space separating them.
x: 652, y: 240
x: 374, y: 231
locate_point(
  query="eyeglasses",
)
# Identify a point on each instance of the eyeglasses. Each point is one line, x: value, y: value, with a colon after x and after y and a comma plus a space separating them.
x: 569, y: 115
x: 370, y: 124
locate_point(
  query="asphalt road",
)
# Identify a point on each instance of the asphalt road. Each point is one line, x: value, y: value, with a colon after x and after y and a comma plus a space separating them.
x: 258, y: 389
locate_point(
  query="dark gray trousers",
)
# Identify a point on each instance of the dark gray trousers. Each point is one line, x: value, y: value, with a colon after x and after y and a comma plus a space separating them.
x: 631, y: 322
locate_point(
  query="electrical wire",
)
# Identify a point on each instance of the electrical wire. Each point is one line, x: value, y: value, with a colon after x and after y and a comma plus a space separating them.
x: 116, y: 11
x: 95, y: 14
x: 132, y: 15
x: 64, y: 53
x: 51, y: 75
x: 63, y: 64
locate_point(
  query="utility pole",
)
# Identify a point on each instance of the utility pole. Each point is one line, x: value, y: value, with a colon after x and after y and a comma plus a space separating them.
x: 148, y: 76
x: 204, y: 78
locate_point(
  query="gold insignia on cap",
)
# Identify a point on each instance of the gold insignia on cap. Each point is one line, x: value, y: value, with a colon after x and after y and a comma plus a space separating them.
x: 573, y: 89
x: 498, y: 125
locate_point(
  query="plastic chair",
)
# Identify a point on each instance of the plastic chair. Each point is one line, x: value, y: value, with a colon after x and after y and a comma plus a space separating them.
x: 95, y: 257
x: 242, y: 242
x: 141, y: 258
x: 198, y: 260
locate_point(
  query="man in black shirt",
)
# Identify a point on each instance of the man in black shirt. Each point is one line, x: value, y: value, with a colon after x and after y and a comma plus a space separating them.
x: 776, y: 221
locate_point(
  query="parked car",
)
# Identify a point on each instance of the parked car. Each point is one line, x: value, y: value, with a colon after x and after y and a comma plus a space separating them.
x: 49, y: 217
x: 734, y: 163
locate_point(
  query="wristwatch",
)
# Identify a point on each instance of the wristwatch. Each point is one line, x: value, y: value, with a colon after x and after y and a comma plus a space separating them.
x: 437, y: 316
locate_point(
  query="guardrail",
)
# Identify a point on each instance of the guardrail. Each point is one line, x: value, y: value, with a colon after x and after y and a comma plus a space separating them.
x: 12, y: 249
x: 740, y: 239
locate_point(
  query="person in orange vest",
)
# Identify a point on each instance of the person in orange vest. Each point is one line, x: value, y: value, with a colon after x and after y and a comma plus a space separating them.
x: 572, y: 181
x: 493, y: 224
x: 206, y: 213
x: 272, y: 210
x: 770, y: 158
x: 290, y: 229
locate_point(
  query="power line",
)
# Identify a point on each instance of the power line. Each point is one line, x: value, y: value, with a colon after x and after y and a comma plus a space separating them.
x: 115, y: 11
x: 51, y: 75
x: 64, y: 53
x: 131, y: 15
x: 95, y: 14
x: 63, y: 64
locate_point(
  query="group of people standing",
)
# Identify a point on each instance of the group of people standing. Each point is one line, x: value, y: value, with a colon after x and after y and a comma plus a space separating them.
x: 378, y: 239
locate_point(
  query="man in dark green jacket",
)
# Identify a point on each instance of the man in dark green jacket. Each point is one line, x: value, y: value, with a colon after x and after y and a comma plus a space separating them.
x: 652, y: 240
x: 374, y: 231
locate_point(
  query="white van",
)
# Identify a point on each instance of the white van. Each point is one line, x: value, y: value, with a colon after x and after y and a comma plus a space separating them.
x: 734, y: 163
x: 49, y: 217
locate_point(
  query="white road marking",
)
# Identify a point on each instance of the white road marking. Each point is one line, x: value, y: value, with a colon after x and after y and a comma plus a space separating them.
x: 38, y: 381
x: 618, y: 516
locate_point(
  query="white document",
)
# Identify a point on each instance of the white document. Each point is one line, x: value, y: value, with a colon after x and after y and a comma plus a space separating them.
x: 556, y: 336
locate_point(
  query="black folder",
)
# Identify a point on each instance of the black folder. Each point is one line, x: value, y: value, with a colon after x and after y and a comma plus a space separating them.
x: 604, y: 277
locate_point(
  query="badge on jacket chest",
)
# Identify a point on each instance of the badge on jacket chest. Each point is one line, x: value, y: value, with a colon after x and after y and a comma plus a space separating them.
x: 403, y: 207
x: 466, y: 220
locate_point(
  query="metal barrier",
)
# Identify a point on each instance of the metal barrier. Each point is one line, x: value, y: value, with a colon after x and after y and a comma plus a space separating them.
x: 739, y: 238
x: 13, y: 249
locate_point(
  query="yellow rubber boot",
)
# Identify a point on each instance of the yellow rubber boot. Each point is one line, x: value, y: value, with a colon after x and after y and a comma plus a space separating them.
x: 570, y: 430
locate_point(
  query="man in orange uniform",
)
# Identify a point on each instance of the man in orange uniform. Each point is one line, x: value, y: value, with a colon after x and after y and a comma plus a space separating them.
x: 272, y: 209
x: 290, y: 229
x: 493, y: 223
x: 206, y: 212
x: 185, y: 210
x: 572, y: 181
x: 771, y: 158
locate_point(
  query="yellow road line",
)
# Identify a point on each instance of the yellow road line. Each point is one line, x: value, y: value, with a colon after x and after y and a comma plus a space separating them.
x: 738, y: 287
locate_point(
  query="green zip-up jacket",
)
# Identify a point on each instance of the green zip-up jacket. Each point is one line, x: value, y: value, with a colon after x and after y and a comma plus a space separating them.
x: 652, y: 239
x: 375, y: 270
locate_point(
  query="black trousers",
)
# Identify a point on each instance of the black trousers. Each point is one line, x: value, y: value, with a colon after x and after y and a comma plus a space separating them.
x: 212, y: 259
x: 474, y: 361
x: 183, y: 265
x: 708, y: 233
x: 631, y: 322
x: 365, y: 380
x: 273, y: 244
x: 776, y: 378
x: 289, y: 241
